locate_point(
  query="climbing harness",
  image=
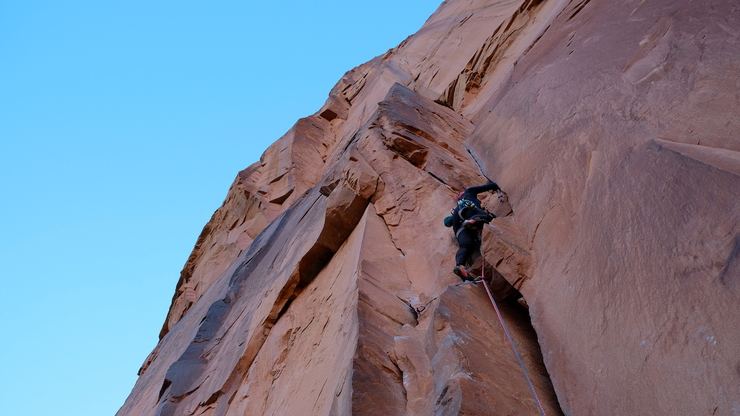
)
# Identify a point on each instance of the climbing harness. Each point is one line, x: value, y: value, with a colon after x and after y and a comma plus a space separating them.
x: 511, y: 340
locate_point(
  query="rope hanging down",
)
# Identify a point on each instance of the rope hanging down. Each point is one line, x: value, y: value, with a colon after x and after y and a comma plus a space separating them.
x: 511, y: 340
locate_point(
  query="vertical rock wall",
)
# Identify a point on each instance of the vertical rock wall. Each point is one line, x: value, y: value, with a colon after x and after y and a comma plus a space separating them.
x: 616, y: 138
x: 323, y: 285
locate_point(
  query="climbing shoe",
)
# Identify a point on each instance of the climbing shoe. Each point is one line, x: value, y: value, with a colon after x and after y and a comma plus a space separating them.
x: 469, y: 223
x: 463, y: 273
x: 460, y: 271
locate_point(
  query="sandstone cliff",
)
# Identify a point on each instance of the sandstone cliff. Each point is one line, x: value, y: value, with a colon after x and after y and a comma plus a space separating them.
x: 323, y: 285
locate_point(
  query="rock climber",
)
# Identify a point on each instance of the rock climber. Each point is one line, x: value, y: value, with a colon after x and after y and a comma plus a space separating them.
x: 466, y: 220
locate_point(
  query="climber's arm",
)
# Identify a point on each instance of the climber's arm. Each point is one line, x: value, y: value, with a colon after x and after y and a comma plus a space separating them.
x: 475, y: 190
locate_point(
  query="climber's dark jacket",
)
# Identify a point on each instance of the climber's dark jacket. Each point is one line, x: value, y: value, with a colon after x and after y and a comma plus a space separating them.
x: 467, y: 238
x: 466, y: 211
x: 469, y: 207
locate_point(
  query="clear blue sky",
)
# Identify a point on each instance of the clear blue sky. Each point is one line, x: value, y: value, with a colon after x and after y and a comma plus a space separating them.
x: 122, y: 125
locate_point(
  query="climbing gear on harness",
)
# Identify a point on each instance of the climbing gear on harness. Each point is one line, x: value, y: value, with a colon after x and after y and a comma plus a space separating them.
x: 511, y: 341
x: 464, y: 203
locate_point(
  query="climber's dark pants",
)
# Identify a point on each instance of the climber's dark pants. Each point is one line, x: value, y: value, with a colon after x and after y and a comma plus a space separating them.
x: 469, y: 244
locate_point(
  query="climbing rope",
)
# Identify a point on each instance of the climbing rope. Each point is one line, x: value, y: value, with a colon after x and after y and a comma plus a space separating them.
x: 511, y: 340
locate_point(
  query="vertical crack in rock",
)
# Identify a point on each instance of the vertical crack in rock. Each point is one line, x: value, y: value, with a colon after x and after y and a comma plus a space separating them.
x: 388, y: 228
x: 730, y: 274
x: 477, y: 163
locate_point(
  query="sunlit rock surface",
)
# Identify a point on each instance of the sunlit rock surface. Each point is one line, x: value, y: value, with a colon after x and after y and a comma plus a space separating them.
x: 323, y: 285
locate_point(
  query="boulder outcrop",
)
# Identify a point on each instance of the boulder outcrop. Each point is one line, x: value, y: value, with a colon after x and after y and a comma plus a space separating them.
x: 323, y: 284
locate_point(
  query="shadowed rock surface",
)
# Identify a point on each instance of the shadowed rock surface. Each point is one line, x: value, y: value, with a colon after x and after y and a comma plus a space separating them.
x: 323, y: 284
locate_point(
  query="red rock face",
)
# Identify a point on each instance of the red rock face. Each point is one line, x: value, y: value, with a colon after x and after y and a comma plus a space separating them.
x: 323, y: 285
